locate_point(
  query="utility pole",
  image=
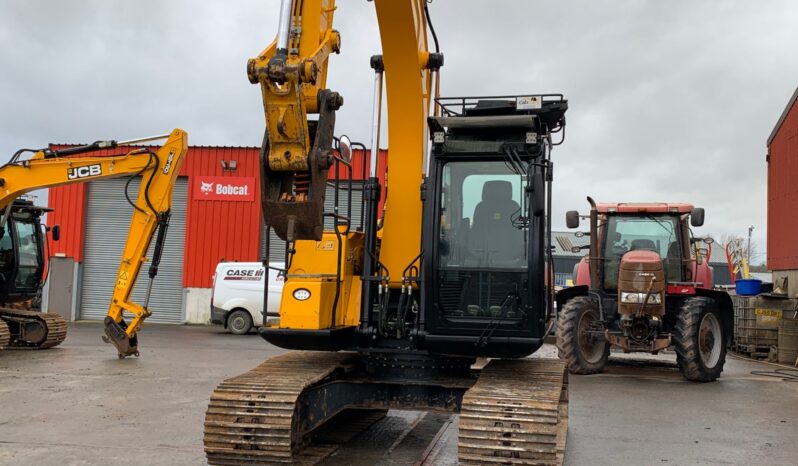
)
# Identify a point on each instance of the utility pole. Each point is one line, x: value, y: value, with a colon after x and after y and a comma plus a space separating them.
x: 748, y: 254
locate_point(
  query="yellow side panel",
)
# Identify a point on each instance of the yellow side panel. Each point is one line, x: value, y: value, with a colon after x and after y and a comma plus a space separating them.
x: 311, y: 313
x: 313, y: 273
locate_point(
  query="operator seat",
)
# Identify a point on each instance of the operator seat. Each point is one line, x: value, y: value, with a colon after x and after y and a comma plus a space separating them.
x: 493, y: 234
x: 639, y: 244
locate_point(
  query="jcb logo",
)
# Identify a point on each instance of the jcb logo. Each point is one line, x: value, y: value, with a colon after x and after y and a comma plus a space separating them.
x: 84, y: 172
x: 169, y: 159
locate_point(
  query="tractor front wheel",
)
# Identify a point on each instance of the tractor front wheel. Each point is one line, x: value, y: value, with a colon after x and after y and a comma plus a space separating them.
x: 700, y: 340
x: 578, y: 337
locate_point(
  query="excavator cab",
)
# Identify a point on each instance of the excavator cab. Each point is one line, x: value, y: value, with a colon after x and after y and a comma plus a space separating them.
x: 22, y: 260
x: 487, y: 208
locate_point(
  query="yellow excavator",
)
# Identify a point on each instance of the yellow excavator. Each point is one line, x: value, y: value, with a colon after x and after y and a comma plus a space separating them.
x: 394, y: 310
x: 22, y: 236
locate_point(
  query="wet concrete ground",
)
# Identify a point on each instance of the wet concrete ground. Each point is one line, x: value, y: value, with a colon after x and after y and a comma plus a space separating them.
x: 79, y: 405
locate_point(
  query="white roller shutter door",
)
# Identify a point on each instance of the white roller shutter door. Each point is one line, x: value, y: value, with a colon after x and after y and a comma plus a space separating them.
x: 107, y: 221
x: 278, y: 246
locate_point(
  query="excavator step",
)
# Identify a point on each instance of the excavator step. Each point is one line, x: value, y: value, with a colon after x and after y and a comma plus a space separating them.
x: 516, y: 413
x: 41, y: 330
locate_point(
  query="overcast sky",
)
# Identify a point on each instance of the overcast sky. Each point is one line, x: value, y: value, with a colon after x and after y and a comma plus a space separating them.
x: 669, y: 100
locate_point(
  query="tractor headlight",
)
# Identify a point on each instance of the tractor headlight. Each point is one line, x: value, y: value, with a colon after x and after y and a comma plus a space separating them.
x: 637, y: 298
x: 630, y: 298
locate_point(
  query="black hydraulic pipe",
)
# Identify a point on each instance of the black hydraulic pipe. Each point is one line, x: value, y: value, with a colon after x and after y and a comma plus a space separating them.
x: 264, y: 311
x: 152, y: 272
x: 550, y: 269
x: 337, y: 268
x: 371, y: 192
x: 163, y: 226
x: 96, y: 145
x: 595, y: 262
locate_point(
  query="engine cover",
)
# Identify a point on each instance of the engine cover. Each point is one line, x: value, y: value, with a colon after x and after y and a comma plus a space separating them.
x: 641, y: 272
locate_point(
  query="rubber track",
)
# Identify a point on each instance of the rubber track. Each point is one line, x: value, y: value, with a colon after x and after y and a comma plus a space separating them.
x: 5, y: 334
x: 516, y: 413
x: 54, y: 324
x: 250, y: 418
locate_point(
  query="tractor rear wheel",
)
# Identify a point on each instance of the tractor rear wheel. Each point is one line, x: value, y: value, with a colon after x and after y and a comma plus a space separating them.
x: 584, y: 351
x: 700, y: 340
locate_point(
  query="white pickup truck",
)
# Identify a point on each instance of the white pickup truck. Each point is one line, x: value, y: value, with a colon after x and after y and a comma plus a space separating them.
x: 237, y: 296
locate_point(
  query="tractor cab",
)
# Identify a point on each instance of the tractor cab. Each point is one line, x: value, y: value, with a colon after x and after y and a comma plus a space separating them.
x: 660, y: 231
x: 486, y: 207
x: 22, y: 260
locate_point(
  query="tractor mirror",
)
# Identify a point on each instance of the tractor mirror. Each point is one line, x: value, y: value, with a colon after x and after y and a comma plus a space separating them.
x: 345, y: 148
x: 703, y: 252
x: 697, y: 217
x: 55, y: 232
x: 572, y: 219
x: 708, y: 240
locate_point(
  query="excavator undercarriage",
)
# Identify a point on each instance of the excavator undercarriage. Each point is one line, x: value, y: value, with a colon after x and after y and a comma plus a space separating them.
x: 27, y: 329
x: 511, y: 411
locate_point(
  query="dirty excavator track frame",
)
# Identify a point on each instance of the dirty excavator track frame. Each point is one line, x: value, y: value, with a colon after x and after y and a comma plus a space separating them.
x: 513, y: 411
x: 159, y: 169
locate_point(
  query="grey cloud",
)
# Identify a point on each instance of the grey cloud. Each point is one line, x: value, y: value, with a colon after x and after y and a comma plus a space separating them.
x: 669, y: 100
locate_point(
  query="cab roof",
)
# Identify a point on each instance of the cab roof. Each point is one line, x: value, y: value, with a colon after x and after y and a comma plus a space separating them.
x: 648, y: 207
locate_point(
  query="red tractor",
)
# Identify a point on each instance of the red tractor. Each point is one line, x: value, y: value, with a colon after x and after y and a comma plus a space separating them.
x: 645, y: 286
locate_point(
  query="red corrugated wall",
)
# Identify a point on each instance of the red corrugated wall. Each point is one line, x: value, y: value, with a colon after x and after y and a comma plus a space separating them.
x: 215, y: 230
x: 783, y: 194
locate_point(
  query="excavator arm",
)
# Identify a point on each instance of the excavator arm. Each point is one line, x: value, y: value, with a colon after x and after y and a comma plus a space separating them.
x: 159, y: 171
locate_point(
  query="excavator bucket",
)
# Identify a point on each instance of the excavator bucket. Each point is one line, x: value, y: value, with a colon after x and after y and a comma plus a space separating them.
x: 116, y: 335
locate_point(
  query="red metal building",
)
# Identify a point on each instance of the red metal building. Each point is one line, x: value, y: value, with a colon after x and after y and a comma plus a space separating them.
x: 782, y: 158
x: 217, y: 226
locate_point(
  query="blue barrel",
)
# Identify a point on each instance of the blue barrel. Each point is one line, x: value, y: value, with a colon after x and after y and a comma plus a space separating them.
x: 748, y: 287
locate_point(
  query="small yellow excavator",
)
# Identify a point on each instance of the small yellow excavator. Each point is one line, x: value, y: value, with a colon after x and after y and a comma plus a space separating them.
x: 23, y: 237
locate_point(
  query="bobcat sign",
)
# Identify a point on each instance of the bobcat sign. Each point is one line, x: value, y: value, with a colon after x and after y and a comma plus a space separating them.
x: 224, y: 188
